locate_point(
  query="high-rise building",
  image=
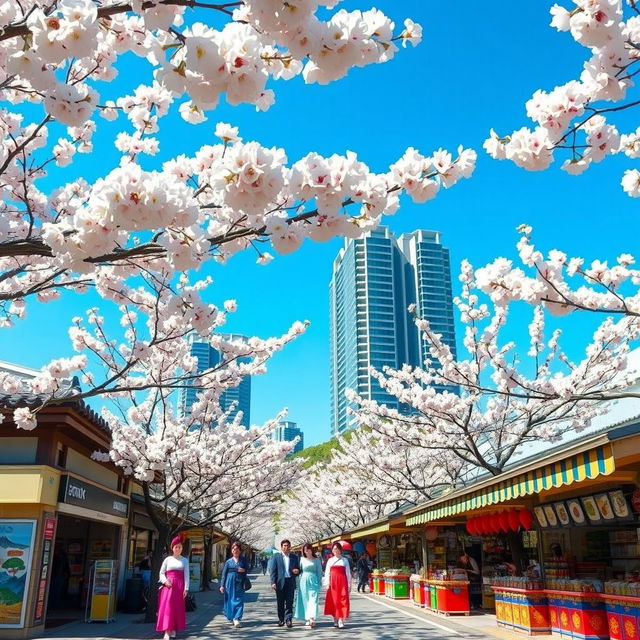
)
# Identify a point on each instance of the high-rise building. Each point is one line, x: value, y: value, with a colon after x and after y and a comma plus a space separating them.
x: 375, y: 278
x: 208, y: 357
x: 429, y: 286
x: 288, y: 431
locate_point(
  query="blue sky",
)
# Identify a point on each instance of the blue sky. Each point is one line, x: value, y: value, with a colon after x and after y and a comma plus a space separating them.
x: 476, y: 67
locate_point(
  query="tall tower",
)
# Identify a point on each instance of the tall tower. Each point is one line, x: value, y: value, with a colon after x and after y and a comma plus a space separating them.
x: 430, y: 282
x: 375, y: 278
x: 208, y: 358
x: 367, y: 317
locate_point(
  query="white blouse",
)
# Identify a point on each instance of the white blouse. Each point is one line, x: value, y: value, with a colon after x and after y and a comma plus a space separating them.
x: 175, y: 564
x: 333, y: 561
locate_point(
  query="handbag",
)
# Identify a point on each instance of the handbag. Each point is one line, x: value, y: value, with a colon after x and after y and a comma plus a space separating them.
x: 246, y: 583
x: 190, y: 603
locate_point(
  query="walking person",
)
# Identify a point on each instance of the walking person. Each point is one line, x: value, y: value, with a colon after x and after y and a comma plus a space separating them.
x: 308, y: 587
x: 363, y: 571
x: 284, y: 568
x: 174, y: 575
x: 232, y: 582
x: 337, y: 579
x: 263, y: 564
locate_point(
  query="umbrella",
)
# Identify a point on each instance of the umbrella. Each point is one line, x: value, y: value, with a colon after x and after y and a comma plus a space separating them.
x: 359, y: 547
x: 346, y: 546
x: 269, y: 551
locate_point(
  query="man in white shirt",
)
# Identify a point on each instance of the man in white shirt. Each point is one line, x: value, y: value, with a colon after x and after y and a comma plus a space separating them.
x: 284, y: 568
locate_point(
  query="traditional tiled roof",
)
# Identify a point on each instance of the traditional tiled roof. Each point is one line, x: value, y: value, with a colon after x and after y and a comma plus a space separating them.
x: 64, y: 397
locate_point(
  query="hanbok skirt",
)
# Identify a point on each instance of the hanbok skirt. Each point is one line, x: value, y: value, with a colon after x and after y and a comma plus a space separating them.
x: 336, y: 602
x: 171, y: 611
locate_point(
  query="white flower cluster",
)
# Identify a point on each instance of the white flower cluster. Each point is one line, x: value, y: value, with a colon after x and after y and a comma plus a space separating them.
x: 561, y: 116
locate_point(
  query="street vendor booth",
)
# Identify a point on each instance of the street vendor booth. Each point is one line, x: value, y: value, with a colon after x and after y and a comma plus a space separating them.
x: 394, y: 550
x: 556, y: 540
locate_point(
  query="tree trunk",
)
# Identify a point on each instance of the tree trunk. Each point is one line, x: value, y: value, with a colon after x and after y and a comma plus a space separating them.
x: 157, y: 557
x: 206, y: 570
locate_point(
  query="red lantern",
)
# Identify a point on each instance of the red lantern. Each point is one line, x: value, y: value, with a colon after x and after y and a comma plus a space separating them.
x: 514, y: 520
x: 477, y: 527
x: 526, y: 519
x: 495, y: 520
x: 469, y: 527
x: 486, y: 525
x: 504, y: 521
x: 431, y: 533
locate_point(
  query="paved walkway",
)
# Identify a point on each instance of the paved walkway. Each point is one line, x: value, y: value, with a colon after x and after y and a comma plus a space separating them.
x: 373, y: 618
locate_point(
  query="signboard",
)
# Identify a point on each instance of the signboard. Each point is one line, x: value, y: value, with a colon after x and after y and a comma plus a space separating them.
x: 83, y: 494
x: 602, y: 508
x: 194, y: 576
x: 101, y: 603
x: 16, y: 554
x: 49, y: 533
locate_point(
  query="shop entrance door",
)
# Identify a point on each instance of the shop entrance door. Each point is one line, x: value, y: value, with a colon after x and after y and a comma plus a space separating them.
x: 79, y: 542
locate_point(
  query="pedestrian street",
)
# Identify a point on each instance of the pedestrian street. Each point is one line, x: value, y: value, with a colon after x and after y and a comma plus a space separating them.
x: 372, y: 618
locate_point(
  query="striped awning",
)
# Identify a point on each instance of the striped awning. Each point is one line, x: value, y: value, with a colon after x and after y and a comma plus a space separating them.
x: 365, y: 533
x: 589, y: 464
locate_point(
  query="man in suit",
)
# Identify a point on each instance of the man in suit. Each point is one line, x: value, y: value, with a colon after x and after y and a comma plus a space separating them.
x: 285, y: 566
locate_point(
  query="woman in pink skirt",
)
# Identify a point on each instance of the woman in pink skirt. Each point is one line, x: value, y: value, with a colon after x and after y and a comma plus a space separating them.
x: 337, y: 579
x: 174, y: 575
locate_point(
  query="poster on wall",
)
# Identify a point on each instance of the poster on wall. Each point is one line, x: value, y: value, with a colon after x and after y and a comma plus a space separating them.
x: 16, y: 554
x: 48, y: 534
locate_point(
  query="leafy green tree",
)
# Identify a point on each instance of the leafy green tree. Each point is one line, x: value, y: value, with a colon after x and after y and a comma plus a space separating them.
x: 13, y: 565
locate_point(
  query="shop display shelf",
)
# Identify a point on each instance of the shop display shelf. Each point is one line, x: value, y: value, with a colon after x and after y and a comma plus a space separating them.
x: 524, y: 610
x: 578, y: 614
x: 396, y: 586
x: 449, y: 597
x: 378, y: 585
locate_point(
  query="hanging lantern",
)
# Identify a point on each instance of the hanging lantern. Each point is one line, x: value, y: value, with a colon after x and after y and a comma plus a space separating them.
x: 526, y: 519
x: 486, y: 526
x: 495, y: 522
x: 504, y: 521
x: 469, y: 527
x: 431, y: 533
x: 514, y: 520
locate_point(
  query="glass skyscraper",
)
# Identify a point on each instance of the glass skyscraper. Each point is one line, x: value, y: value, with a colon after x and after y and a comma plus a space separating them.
x: 208, y: 358
x: 375, y: 278
x: 287, y: 431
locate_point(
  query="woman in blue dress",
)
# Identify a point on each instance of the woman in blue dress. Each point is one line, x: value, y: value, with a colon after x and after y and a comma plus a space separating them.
x: 308, y: 587
x: 232, y: 584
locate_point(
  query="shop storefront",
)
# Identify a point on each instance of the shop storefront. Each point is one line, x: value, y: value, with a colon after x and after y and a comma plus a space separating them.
x: 63, y: 523
x: 556, y: 542
x: 92, y: 524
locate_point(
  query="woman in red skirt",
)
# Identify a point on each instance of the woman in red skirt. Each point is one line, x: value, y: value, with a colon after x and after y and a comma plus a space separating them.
x: 337, y: 579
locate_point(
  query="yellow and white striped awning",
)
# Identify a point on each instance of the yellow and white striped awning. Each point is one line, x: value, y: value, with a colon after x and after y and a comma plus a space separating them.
x: 589, y: 464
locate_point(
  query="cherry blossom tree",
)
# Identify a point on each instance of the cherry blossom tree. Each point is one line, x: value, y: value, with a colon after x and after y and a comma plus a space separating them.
x: 327, y: 500
x: 573, y: 120
x: 506, y: 400
x: 136, y: 236
x: 137, y: 226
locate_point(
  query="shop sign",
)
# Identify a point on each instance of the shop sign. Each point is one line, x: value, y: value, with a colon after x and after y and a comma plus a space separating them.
x: 16, y: 554
x: 602, y: 508
x: 83, y: 494
x: 49, y: 532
